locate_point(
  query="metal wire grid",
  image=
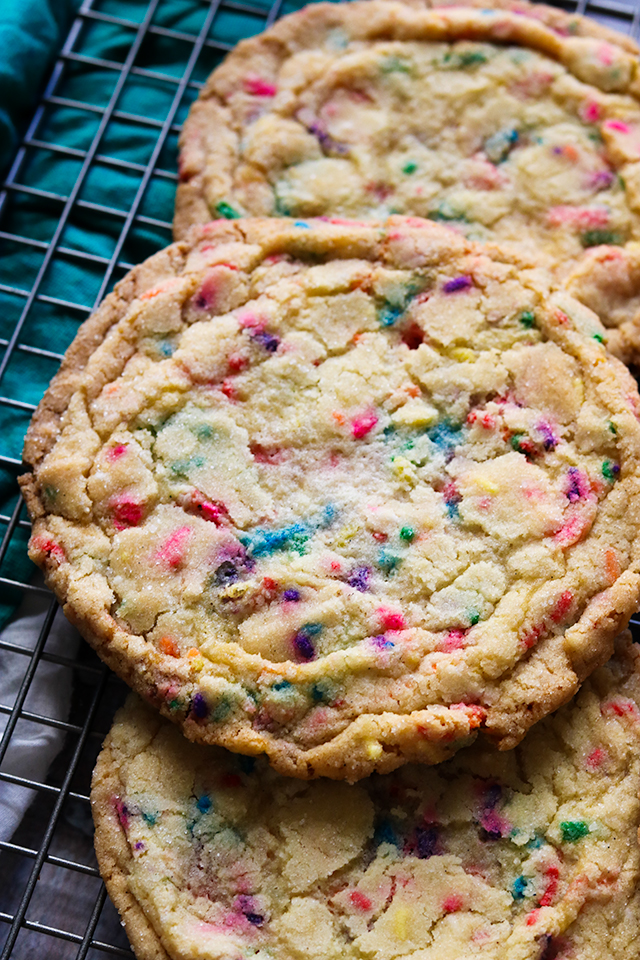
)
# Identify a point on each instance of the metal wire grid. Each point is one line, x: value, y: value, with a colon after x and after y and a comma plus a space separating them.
x: 27, y: 928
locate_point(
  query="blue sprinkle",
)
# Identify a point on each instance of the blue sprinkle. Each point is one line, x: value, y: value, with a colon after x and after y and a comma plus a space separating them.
x: 445, y: 436
x: 388, y: 561
x: 281, y: 685
x: 302, y: 225
x: 385, y: 833
x: 246, y: 764
x: 519, y: 888
x: 204, y: 804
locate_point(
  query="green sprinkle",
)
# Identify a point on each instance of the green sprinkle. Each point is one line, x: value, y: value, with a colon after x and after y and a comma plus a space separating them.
x: 610, y: 470
x: 593, y: 238
x: 183, y: 466
x: 410, y: 167
x: 473, y: 617
x: 203, y: 431
x: 150, y: 818
x: 395, y: 65
x: 573, y: 830
x: 407, y: 533
x: 227, y: 211
x: 612, y: 427
x: 50, y: 493
x: 598, y: 337
x: 221, y: 710
x: 471, y: 58
x: 528, y: 319
x: 174, y: 705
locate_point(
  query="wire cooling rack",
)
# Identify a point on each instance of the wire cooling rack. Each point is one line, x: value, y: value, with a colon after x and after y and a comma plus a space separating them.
x: 52, y: 901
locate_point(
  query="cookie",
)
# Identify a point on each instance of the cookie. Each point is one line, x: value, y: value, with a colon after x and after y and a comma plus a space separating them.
x: 522, y: 855
x: 342, y: 494
x: 497, y: 124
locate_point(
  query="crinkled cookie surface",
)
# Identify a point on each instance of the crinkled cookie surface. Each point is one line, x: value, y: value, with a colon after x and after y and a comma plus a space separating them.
x: 487, y: 120
x: 339, y: 493
x: 521, y: 855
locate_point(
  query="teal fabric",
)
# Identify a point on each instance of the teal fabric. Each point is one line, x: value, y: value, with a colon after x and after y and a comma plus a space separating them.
x: 30, y: 33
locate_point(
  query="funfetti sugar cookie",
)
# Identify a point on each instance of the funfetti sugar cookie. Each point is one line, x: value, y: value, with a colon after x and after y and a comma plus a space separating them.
x: 521, y: 855
x: 502, y: 126
x: 344, y: 494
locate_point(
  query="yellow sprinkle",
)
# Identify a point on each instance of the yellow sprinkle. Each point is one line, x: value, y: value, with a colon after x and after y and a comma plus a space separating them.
x: 485, y: 484
x: 400, y: 918
x: 348, y: 532
x: 403, y: 469
x: 374, y: 750
x: 462, y: 354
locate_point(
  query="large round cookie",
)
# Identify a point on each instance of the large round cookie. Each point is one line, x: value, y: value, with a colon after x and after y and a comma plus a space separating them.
x: 341, y: 493
x: 528, y: 855
x: 500, y: 125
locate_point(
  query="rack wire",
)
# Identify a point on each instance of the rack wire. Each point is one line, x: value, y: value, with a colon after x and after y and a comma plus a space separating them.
x: 52, y: 901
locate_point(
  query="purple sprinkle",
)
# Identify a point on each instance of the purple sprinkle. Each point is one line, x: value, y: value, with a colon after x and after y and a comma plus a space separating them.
x: 557, y: 151
x: 381, y: 642
x: 549, y: 439
x: 291, y: 595
x: 268, y: 341
x: 359, y: 578
x: 492, y: 796
x: 199, y: 706
x: 576, y: 488
x: 458, y: 283
x: 615, y: 468
x: 601, y: 179
x: 255, y: 918
x: 303, y: 646
x: 426, y: 842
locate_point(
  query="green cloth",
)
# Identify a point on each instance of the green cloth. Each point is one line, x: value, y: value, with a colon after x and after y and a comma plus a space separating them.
x: 31, y: 31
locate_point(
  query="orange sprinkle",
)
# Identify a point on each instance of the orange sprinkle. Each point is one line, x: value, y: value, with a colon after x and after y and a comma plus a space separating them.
x: 193, y: 653
x: 169, y: 646
x: 570, y: 152
x: 612, y: 564
x: 338, y: 417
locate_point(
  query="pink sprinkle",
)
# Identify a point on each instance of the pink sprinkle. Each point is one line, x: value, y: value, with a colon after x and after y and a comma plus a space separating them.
x: 361, y: 426
x: 583, y: 218
x: 258, y: 87
x: 590, y: 112
x: 596, y: 758
x: 605, y: 53
x: 126, y: 512
x: 359, y: 900
x: 474, y: 712
x: 250, y: 320
x: 454, y: 640
x: 452, y: 903
x: 391, y: 619
x: 116, y: 452
x: 173, y: 549
x: 620, y: 707
x: 122, y: 813
x: 572, y: 531
x: 617, y: 125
